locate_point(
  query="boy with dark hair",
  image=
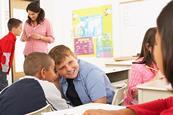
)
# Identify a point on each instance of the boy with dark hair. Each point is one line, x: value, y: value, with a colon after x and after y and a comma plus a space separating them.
x: 35, y: 90
x: 7, y: 47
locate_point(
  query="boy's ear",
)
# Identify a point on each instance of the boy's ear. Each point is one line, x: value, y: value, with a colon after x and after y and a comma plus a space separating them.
x: 42, y: 73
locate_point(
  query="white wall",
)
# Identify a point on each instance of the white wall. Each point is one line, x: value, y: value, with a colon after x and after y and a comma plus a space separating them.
x: 4, y: 16
x: 135, y: 19
x: 60, y: 14
x: 130, y: 22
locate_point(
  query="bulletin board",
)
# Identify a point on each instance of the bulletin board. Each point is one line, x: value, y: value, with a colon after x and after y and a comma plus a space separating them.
x: 92, y: 31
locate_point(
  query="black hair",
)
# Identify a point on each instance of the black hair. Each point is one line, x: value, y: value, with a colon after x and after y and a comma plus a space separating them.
x: 13, y: 23
x: 148, y: 42
x: 35, y: 7
x: 35, y: 61
x: 165, y: 29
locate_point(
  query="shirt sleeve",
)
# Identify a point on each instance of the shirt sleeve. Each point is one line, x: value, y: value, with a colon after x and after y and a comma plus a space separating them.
x: 53, y: 96
x: 135, y: 78
x: 153, y: 107
x: 7, y: 57
x: 95, y: 84
x: 49, y: 31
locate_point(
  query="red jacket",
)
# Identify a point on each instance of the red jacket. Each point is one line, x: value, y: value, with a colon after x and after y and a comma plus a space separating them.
x: 157, y: 107
x: 7, y: 47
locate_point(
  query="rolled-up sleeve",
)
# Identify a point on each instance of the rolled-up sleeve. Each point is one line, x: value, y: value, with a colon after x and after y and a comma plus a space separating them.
x: 96, y: 85
x: 49, y: 31
x: 24, y: 37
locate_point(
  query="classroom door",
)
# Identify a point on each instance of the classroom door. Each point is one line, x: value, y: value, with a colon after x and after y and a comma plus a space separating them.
x: 18, y: 10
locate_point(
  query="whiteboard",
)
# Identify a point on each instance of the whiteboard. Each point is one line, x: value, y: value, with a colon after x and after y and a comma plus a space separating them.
x: 135, y: 19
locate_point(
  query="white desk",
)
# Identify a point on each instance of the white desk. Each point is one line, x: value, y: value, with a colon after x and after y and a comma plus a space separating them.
x: 126, y: 63
x: 114, y: 69
x: 116, y: 74
x: 81, y: 109
x: 153, y: 90
x: 109, y: 65
x: 118, y: 70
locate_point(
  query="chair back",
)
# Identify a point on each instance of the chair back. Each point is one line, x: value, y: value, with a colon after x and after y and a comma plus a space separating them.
x: 46, y: 108
x: 118, y: 98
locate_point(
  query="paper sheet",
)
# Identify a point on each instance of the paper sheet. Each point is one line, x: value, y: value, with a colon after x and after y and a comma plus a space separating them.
x: 81, y: 109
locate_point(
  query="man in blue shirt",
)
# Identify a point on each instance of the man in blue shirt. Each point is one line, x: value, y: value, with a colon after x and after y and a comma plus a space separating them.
x: 81, y: 82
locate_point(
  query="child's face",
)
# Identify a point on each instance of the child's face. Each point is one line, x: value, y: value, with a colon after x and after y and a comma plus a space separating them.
x: 50, y: 74
x: 69, y: 68
x: 17, y: 31
x: 158, y: 52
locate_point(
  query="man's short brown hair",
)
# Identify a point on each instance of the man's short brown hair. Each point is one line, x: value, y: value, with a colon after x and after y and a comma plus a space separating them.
x: 59, y: 53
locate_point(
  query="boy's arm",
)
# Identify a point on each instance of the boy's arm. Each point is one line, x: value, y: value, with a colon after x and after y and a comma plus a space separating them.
x: 5, y: 60
x: 94, y: 82
x: 101, y: 100
x: 109, y: 112
x: 7, y: 57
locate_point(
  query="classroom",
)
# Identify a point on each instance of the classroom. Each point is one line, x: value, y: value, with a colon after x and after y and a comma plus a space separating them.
x: 105, y: 48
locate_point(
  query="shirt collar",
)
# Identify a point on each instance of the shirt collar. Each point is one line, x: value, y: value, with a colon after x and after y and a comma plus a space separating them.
x: 30, y: 77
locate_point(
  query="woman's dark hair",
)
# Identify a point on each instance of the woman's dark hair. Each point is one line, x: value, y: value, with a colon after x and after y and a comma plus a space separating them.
x: 165, y: 29
x: 35, y: 7
x: 148, y: 42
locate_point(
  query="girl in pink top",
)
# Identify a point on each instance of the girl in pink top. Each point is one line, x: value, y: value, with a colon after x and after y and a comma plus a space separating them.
x: 37, y: 31
x: 143, y: 69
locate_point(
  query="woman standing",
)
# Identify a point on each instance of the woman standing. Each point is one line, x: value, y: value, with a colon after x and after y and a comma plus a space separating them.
x: 37, y: 31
